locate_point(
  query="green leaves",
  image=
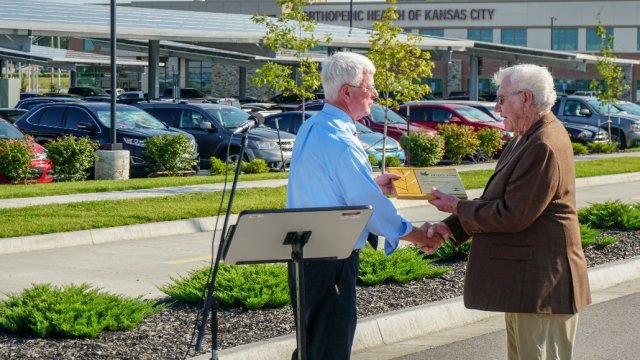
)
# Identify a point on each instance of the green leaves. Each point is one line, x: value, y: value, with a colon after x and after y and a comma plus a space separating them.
x: 401, y: 66
x: 15, y: 159
x: 169, y: 154
x: 291, y: 34
x: 72, y: 156
x: 71, y: 311
x: 404, y: 265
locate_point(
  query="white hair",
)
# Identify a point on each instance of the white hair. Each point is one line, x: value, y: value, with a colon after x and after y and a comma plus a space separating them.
x: 534, y: 78
x: 344, y: 68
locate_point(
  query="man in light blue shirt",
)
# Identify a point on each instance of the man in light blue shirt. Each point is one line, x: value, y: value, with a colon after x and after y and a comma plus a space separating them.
x: 329, y: 167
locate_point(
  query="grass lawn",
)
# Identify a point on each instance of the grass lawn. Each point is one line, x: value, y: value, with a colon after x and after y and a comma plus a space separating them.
x: 43, y: 219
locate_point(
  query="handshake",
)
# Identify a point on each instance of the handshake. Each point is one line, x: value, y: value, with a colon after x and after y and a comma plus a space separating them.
x: 429, y: 237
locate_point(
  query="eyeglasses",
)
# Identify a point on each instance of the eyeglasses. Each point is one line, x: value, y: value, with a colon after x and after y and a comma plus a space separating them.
x: 501, y: 98
x: 369, y: 88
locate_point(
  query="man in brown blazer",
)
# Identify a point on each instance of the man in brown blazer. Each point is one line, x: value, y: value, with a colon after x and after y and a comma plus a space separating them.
x: 526, y: 257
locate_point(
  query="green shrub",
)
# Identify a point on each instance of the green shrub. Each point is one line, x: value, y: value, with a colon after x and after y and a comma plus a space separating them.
x: 71, y: 311
x: 250, y: 286
x: 219, y: 167
x: 579, y: 149
x: 255, y: 166
x: 72, y: 157
x: 15, y: 159
x: 372, y: 160
x: 605, y: 148
x: 169, y: 155
x: 489, y: 141
x: 607, y: 240
x: 607, y: 215
x: 448, y: 250
x: 404, y: 265
x: 588, y: 235
x: 425, y: 149
x: 392, y: 161
x: 460, y: 141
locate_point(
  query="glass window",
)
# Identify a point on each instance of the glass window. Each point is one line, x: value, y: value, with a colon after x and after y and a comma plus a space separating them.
x: 638, y: 40
x: 88, y: 45
x: 594, y: 43
x: 190, y: 119
x: 565, y: 39
x: 52, y: 116
x: 199, y: 75
x: 485, y: 35
x: 516, y: 37
x: 431, y: 32
x: 76, y: 116
x: 441, y: 116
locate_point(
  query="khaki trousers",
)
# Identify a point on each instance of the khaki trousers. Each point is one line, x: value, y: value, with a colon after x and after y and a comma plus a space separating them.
x: 540, y: 336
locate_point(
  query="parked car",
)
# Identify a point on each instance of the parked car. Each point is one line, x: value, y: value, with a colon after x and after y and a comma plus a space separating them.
x: 93, y: 119
x: 625, y: 128
x: 585, y: 134
x: 212, y: 125
x: 628, y: 107
x: 396, y: 125
x: 263, y: 109
x: 371, y: 141
x: 430, y: 114
x: 11, y: 114
x: 197, y: 95
x: 87, y: 91
x: 34, y: 101
x: 488, y: 107
x: 41, y: 166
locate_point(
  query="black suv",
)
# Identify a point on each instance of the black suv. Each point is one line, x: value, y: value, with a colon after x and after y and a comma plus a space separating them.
x: 212, y: 125
x: 93, y: 119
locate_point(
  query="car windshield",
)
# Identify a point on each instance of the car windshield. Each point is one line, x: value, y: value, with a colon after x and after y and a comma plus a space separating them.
x: 377, y: 115
x: 474, y: 115
x: 8, y: 131
x: 129, y: 119
x: 629, y: 107
x: 602, y: 108
x: 228, y: 117
x: 362, y: 128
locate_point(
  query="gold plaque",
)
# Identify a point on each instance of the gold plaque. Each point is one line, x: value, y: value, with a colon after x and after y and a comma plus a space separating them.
x: 416, y: 182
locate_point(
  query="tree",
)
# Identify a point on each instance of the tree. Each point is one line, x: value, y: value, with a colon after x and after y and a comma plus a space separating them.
x: 610, y: 88
x: 293, y: 34
x: 401, y: 65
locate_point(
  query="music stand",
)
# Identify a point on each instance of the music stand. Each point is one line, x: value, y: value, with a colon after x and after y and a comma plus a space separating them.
x: 283, y: 235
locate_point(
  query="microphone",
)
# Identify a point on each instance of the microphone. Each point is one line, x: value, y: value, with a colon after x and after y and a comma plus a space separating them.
x: 249, y: 124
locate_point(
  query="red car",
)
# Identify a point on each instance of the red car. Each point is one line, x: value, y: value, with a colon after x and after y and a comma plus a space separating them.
x: 396, y: 125
x: 431, y: 114
x: 42, y: 167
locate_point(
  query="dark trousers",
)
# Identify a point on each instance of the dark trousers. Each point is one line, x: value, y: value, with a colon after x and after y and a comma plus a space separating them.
x: 330, y: 316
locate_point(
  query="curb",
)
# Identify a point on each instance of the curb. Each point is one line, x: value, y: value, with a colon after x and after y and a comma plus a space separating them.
x: 396, y: 326
x: 188, y: 226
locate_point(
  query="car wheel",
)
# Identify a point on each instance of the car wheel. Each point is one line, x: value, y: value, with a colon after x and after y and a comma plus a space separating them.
x: 234, y: 155
x: 620, y: 139
x: 478, y: 157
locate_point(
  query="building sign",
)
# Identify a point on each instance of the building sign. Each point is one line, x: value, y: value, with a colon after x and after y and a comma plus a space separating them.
x: 404, y: 15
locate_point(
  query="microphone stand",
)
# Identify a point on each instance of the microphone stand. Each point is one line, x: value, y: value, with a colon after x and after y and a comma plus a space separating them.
x: 211, y: 301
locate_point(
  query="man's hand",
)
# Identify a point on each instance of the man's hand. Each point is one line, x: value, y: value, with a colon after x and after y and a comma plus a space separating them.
x: 420, y: 238
x: 385, y: 182
x: 438, y: 230
x: 444, y: 202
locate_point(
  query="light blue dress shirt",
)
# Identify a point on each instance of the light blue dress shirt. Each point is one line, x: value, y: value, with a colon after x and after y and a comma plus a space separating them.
x: 329, y: 167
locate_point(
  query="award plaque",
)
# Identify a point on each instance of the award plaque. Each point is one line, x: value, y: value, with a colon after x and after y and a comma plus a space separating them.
x: 416, y: 182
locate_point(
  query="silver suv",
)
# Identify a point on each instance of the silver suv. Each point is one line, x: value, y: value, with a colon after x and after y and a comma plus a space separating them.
x: 625, y: 128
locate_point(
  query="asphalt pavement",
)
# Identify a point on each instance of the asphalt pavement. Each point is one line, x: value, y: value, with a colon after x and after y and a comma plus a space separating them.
x: 134, y: 260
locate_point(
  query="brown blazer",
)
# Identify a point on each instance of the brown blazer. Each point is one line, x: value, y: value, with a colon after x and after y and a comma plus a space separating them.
x: 526, y: 255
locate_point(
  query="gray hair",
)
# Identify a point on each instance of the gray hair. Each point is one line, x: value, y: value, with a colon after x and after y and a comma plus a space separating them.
x: 534, y: 78
x: 344, y: 68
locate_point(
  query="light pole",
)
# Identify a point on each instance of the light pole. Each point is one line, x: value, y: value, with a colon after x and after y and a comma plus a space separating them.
x: 551, y: 38
x: 350, y: 15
